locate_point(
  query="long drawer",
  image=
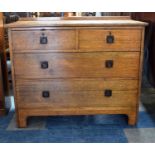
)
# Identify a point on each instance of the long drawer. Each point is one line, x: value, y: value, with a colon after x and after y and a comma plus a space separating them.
x: 70, y: 65
x: 44, y: 40
x: 76, y: 93
x: 110, y: 40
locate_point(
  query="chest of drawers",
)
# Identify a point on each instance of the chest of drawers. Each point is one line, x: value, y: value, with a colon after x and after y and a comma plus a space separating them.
x: 76, y: 67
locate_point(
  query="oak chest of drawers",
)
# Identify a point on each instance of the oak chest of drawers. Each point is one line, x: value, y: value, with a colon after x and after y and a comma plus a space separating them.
x: 76, y: 67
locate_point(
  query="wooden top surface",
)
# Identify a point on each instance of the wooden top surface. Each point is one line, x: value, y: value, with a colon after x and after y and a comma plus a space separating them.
x: 75, y: 21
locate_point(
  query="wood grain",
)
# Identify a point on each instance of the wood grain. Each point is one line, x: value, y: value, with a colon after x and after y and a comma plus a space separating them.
x: 75, y: 99
x: 124, y: 40
x: 77, y: 23
x: 57, y: 39
x: 75, y: 93
x: 77, y: 84
x: 76, y: 77
x: 70, y: 65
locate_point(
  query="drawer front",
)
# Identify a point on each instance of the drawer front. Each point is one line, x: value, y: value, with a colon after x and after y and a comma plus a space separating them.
x: 76, y: 84
x: 110, y: 40
x: 68, y: 65
x: 72, y: 93
x: 48, y: 39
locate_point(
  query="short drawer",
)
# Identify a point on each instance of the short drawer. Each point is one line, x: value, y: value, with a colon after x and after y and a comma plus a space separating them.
x: 75, y: 93
x: 110, y: 40
x: 45, y: 40
x: 71, y: 65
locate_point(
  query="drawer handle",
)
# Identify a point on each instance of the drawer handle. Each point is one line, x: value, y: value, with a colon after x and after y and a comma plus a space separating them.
x: 43, y: 39
x: 45, y: 94
x: 110, y: 38
x: 108, y: 93
x: 109, y: 63
x: 44, y: 64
